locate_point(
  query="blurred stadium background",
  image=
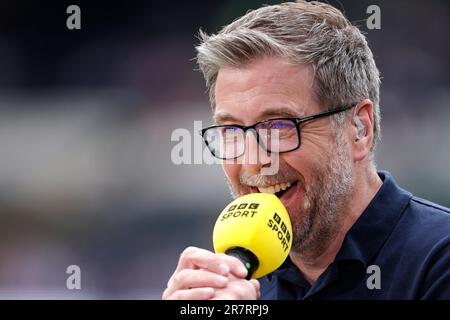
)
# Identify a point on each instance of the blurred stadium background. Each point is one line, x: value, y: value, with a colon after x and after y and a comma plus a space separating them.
x: 86, y: 119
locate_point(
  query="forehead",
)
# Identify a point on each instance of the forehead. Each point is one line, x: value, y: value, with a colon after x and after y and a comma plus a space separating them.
x: 263, y: 88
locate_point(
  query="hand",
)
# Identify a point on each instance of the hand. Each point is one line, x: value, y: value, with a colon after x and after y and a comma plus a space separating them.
x: 238, y: 289
x: 200, y: 273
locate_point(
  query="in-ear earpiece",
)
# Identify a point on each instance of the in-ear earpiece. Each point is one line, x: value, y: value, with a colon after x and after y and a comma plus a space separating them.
x: 361, y: 128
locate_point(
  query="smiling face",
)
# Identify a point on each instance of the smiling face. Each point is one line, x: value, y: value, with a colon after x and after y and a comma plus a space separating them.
x: 314, y: 182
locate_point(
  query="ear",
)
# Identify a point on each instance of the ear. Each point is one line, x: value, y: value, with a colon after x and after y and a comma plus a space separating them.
x: 362, y: 129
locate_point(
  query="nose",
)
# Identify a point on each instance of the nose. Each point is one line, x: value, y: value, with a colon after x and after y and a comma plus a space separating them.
x: 255, y: 156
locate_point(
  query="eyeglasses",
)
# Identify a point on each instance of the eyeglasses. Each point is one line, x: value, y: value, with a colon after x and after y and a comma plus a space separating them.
x: 278, y: 135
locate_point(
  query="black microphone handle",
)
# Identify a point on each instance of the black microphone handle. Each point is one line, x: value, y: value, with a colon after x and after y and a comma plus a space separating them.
x: 247, y: 257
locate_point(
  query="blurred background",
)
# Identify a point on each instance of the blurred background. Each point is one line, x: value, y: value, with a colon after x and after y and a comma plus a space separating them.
x: 86, y: 118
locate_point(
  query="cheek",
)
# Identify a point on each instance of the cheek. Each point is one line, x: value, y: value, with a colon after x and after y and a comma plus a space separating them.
x: 232, y: 173
x: 308, y: 164
x: 298, y: 161
x: 312, y: 153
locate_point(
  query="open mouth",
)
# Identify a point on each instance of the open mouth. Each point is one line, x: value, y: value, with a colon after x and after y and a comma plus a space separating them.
x: 280, y: 193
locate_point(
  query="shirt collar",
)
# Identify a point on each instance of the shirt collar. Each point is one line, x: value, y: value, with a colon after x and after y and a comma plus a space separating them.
x: 372, y: 228
x: 376, y: 223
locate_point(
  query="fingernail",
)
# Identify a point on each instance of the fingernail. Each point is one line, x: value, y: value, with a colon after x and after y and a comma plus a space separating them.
x: 224, y: 268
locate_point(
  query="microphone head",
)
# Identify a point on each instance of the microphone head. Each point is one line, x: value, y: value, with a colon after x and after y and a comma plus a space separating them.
x: 258, y: 223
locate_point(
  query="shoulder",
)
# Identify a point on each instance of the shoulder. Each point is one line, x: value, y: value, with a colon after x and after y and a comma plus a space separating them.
x: 422, y: 233
x: 434, y: 237
x: 417, y: 250
x: 425, y: 205
x: 427, y: 218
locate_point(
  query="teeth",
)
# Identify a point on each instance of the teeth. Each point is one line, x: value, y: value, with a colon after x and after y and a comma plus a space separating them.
x: 275, y: 188
x: 270, y: 189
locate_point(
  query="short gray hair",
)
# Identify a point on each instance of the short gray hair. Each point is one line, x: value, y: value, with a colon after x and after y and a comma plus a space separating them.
x: 312, y: 33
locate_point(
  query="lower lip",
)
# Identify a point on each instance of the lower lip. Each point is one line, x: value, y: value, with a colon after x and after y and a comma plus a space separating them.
x: 291, y: 196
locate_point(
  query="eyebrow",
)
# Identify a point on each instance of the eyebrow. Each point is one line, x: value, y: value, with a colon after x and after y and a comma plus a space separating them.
x: 280, y: 112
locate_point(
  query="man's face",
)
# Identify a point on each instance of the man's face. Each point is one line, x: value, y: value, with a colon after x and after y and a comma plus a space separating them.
x: 319, y: 172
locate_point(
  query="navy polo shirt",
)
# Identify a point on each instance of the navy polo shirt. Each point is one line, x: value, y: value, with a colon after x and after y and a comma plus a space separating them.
x: 407, y: 238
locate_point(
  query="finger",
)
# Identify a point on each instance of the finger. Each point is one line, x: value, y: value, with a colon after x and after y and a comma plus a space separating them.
x: 192, y: 294
x: 257, y: 287
x: 255, y: 284
x: 189, y: 259
x: 223, y: 296
x: 190, y: 278
x: 196, y: 278
x: 193, y: 257
x: 236, y: 266
x: 237, y: 290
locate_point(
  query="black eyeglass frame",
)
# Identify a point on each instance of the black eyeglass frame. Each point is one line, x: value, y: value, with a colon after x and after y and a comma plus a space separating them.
x: 296, y: 121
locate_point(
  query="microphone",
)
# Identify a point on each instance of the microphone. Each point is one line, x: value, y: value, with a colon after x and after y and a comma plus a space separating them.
x: 257, y: 230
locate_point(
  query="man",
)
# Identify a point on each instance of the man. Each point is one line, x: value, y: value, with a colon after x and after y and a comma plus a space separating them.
x: 271, y: 69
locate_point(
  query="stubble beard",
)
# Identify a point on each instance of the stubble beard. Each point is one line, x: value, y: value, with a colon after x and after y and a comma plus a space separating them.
x: 327, y: 198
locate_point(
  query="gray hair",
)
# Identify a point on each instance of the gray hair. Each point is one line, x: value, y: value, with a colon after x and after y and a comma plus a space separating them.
x: 312, y: 33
